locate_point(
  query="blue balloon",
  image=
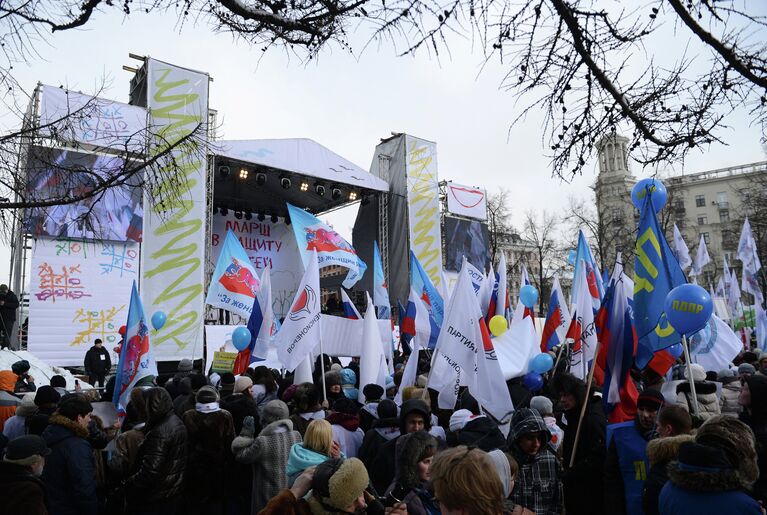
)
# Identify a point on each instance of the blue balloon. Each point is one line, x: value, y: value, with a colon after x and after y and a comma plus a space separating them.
x: 542, y: 363
x: 158, y: 320
x: 653, y: 187
x: 241, y: 338
x: 533, y: 381
x: 688, y: 308
x: 528, y: 295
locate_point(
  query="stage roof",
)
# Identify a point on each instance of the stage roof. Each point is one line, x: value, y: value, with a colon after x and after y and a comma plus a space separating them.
x: 300, y: 160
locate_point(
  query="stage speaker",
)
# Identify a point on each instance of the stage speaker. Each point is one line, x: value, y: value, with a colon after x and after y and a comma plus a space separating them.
x: 224, y: 171
x: 285, y: 183
x: 260, y: 179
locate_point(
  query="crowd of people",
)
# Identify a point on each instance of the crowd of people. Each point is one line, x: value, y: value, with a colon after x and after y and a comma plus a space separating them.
x: 257, y: 443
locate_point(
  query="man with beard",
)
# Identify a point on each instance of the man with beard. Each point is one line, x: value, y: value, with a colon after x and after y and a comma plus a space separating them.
x: 626, y: 465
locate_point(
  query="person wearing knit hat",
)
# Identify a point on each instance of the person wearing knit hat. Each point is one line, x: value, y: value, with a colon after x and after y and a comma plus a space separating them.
x: 210, y: 432
x: 336, y: 367
x: 16, y: 425
x: 391, y: 388
x: 242, y: 384
x: 626, y: 446
x: 21, y: 489
x: 186, y: 400
x: 545, y: 408
x: 183, y: 371
x: 708, y: 402
x: 369, y: 412
x: 348, y: 381
x: 226, y: 387
x: 185, y: 365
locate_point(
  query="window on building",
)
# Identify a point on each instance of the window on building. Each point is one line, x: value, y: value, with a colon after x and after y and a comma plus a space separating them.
x: 724, y: 215
x: 705, y: 237
x: 702, y: 219
x: 700, y: 200
x: 679, y: 205
x: 721, y: 198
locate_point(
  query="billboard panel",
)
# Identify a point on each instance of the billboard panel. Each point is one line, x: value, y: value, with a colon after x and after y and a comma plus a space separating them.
x: 466, y: 201
x: 114, y: 214
x: 173, y: 251
x: 469, y: 238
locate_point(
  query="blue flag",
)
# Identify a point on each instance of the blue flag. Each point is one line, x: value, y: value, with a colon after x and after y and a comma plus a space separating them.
x: 420, y: 282
x: 656, y: 272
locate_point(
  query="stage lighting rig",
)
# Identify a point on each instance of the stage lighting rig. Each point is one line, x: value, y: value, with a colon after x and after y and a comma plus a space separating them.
x: 243, y: 173
x: 224, y: 171
x: 248, y: 215
x: 238, y: 215
x: 274, y: 219
x: 319, y: 189
x: 304, y: 187
x: 336, y: 193
x: 224, y: 211
x: 261, y: 217
x: 285, y: 183
x: 352, y: 195
x: 260, y: 179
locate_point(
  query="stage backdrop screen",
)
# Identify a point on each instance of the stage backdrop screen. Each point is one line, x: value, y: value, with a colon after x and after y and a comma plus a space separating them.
x: 465, y: 238
x: 114, y: 214
x: 268, y: 245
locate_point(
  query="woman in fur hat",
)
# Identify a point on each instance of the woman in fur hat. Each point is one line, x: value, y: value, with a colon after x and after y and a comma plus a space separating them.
x: 708, y: 402
x: 413, y: 459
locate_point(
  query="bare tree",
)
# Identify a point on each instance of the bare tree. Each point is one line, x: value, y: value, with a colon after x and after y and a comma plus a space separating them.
x: 498, y: 220
x: 753, y: 206
x: 540, y: 232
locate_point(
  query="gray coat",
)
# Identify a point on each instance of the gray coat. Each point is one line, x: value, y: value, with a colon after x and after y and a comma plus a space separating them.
x: 268, y: 453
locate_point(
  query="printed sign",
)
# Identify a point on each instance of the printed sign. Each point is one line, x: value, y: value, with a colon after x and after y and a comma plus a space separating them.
x: 466, y: 201
x: 223, y: 361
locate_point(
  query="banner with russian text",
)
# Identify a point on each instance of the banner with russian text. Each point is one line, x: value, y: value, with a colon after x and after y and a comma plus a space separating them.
x: 423, y: 205
x: 173, y: 250
x: 78, y: 291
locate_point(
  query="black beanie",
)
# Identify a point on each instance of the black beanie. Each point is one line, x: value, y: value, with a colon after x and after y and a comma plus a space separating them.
x: 372, y: 392
x: 20, y: 367
x: 47, y: 395
x: 58, y: 382
x: 345, y: 405
x: 651, y: 399
x: 387, y: 409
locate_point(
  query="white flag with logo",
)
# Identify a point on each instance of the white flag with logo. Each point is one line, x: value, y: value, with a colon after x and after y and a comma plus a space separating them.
x: 701, y: 257
x: 582, y: 330
x: 465, y: 341
x: 681, y: 252
x: 264, y: 298
x: 300, y: 331
x: 372, y: 361
x: 761, y: 328
x: 733, y: 296
x: 715, y: 346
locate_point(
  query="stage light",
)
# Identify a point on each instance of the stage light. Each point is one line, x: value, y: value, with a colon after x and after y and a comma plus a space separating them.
x: 319, y: 189
x: 248, y: 215
x: 243, y: 174
x: 224, y: 171
x: 285, y: 183
x: 304, y: 186
x: 260, y: 179
x: 336, y: 193
x: 352, y: 195
x: 224, y: 211
x: 238, y: 215
x: 261, y: 217
x: 274, y: 219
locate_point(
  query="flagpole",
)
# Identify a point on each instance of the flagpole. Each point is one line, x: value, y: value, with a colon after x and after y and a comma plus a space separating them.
x: 585, y: 400
x: 556, y: 363
x: 686, y: 348
x: 322, y: 366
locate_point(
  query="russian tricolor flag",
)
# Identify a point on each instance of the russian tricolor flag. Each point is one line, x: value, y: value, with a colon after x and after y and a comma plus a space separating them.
x: 350, y: 311
x: 557, y: 319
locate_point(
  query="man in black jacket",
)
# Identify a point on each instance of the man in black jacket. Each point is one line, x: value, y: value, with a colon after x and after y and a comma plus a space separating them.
x: 8, y: 306
x: 156, y: 485
x: 97, y: 363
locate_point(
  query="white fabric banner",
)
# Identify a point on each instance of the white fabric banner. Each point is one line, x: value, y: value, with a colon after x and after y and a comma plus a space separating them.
x: 96, y: 121
x: 268, y: 245
x: 173, y: 252
x: 343, y: 336
x: 79, y: 290
x: 423, y: 206
x: 466, y: 201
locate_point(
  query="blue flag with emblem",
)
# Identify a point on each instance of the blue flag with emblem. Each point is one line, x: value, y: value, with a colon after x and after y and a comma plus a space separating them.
x: 656, y: 272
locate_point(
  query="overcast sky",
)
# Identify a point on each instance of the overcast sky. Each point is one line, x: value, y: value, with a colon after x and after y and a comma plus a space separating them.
x: 348, y: 104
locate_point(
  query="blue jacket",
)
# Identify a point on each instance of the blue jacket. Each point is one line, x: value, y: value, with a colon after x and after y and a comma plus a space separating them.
x: 70, y: 470
x: 627, y: 459
x: 678, y: 501
x: 300, y: 459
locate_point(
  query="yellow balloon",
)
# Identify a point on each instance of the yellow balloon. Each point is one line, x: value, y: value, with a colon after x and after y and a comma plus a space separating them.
x: 498, y: 325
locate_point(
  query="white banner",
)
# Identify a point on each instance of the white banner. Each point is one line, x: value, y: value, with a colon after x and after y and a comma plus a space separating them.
x: 268, y: 245
x: 91, y: 120
x: 466, y: 201
x: 343, y: 336
x: 423, y: 205
x: 78, y: 291
x: 173, y: 251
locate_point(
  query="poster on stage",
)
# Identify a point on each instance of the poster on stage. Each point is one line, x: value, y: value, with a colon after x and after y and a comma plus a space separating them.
x: 466, y: 201
x: 114, y: 214
x: 268, y: 245
x: 466, y: 238
x: 79, y: 291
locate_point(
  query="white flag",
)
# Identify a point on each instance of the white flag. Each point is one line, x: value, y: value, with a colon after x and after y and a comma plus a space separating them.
x: 582, y: 330
x: 372, y: 362
x: 300, y: 331
x: 303, y: 373
x: 701, y: 258
x: 733, y: 297
x: 761, y: 328
x: 516, y: 347
x: 720, y: 291
x: 681, y: 251
x: 715, y: 346
x: 747, y: 248
x: 465, y: 341
x: 486, y: 292
x: 264, y: 298
x: 725, y: 271
x: 500, y: 305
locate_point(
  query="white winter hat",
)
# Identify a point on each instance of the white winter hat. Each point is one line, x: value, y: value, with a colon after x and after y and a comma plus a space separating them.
x: 698, y: 372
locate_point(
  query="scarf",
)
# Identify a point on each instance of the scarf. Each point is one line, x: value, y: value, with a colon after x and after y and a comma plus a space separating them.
x: 209, y: 407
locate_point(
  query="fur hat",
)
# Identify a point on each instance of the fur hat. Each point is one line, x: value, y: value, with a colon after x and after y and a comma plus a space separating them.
x: 27, y: 407
x: 746, y: 368
x: 725, y: 375
x: 542, y: 405
x: 737, y: 441
x: 26, y: 450
x: 337, y: 483
x: 698, y: 372
x: 333, y: 378
x: 372, y: 392
x: 242, y: 383
x: 306, y: 398
x: 47, y: 395
x: 185, y: 365
x: 409, y: 450
x: 206, y: 395
x: 273, y: 411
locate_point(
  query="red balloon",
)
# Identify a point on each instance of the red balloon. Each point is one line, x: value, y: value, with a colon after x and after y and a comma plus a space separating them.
x: 122, y: 330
